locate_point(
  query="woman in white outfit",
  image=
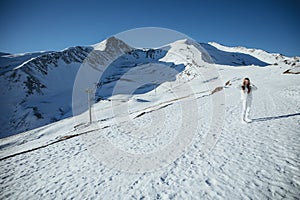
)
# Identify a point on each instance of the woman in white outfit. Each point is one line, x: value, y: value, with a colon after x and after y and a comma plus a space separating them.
x: 246, y: 96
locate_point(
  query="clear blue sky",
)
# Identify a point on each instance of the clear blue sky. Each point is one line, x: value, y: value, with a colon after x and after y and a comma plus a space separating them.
x: 35, y: 25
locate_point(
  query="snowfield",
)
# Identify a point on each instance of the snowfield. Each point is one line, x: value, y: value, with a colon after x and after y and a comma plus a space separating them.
x: 172, y: 139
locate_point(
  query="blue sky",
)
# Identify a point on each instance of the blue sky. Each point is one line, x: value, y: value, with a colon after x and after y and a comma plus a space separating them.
x: 36, y: 25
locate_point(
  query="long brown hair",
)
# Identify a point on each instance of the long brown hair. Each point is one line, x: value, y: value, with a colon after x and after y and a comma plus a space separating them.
x: 248, y: 85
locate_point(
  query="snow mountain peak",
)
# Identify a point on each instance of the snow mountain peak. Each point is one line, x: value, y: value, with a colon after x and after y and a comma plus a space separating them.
x: 111, y: 43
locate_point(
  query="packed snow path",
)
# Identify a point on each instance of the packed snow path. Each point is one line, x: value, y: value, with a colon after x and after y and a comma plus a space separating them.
x: 259, y: 160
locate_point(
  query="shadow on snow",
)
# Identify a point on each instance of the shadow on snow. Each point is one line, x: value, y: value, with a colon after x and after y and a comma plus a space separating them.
x: 232, y: 58
x: 136, y: 72
x: 274, y: 117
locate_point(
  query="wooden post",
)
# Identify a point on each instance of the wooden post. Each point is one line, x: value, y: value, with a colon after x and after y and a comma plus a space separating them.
x: 89, y: 92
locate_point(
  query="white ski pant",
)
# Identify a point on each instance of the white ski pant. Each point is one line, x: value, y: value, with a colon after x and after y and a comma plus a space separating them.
x: 246, y: 106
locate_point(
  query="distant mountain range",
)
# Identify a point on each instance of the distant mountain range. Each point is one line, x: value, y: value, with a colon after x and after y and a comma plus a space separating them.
x: 37, y: 87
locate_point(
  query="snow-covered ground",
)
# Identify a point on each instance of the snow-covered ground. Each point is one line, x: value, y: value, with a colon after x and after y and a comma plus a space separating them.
x: 178, y: 141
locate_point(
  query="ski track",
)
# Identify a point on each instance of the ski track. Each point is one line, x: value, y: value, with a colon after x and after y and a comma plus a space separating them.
x: 250, y: 161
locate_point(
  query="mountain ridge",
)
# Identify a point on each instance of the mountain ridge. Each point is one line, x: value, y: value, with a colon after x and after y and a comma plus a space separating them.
x: 35, y: 80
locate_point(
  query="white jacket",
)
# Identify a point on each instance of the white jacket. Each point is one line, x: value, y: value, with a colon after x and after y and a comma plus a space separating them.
x: 244, y: 93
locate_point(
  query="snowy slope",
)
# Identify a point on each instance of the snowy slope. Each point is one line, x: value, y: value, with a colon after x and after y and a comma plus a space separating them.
x: 171, y: 139
x: 39, y: 87
x: 271, y: 58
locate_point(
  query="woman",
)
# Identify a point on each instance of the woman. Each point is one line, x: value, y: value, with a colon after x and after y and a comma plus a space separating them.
x: 246, y: 95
